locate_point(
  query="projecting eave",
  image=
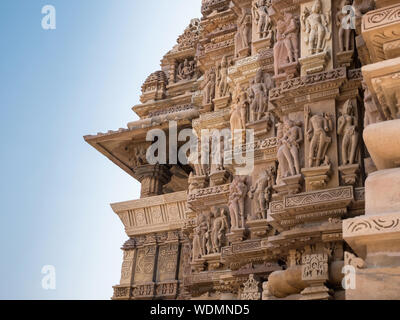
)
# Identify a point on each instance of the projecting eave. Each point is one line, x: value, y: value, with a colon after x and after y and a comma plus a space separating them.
x: 118, y: 145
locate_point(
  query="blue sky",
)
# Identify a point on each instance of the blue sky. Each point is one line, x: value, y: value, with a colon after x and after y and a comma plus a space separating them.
x: 55, y: 87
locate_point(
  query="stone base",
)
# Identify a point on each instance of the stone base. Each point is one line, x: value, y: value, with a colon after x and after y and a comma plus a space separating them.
x: 375, y: 284
x: 213, y: 261
x: 244, y: 53
x: 219, y: 178
x: 344, y: 58
x: 222, y: 102
x: 349, y: 173
x: 289, y: 185
x: 262, y: 44
x: 314, y: 63
x: 258, y: 228
x: 206, y: 108
x: 198, y: 265
x: 316, y: 178
x: 199, y: 181
x: 260, y: 127
x: 236, y: 235
x: 319, y: 292
x: 290, y: 71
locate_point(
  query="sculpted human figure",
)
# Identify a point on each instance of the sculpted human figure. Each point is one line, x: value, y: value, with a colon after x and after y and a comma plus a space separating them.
x: 286, y: 165
x: 258, y: 97
x: 185, y: 70
x: 262, y: 18
x: 208, y: 86
x: 293, y: 137
x: 216, y: 155
x: 222, y: 78
x: 347, y: 127
x: 197, y: 252
x: 261, y: 192
x: 316, y: 27
x: 243, y: 35
x: 237, y: 194
x: 202, y: 224
x: 286, y: 48
x: 317, y: 129
x: 371, y: 110
x: 343, y: 22
x: 219, y: 228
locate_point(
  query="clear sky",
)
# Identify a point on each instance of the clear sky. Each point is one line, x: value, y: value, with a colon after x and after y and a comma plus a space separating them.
x: 55, y: 87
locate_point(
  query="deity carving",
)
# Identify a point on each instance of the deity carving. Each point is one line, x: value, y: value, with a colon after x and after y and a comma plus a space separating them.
x: 344, y: 23
x: 316, y: 27
x: 186, y: 70
x: 262, y: 19
x: 200, y: 168
x: 286, y: 48
x: 258, y: 96
x: 347, y: 127
x: 238, y: 114
x: 317, y: 128
x: 200, y: 237
x: 216, y: 155
x: 208, y: 86
x: 290, y: 136
x: 220, y: 227
x: 237, y: 194
x: 372, y: 114
x: 261, y: 191
x: 222, y: 78
x: 243, y: 35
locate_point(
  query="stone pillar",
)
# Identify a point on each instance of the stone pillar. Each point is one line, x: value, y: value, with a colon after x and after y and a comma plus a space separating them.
x: 152, y: 178
x: 375, y: 237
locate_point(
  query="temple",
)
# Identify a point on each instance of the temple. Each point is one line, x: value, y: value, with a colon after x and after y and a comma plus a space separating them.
x: 313, y: 211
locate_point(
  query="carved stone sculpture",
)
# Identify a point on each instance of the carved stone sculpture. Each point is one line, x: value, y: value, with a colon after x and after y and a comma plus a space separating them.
x: 208, y: 86
x: 220, y: 227
x: 316, y: 26
x: 286, y: 48
x: 372, y: 114
x: 317, y: 128
x: 344, y: 24
x: 186, y: 70
x: 237, y: 194
x: 261, y: 191
x: 222, y: 79
x: 258, y: 97
x: 262, y: 19
x: 243, y: 35
x: 347, y: 127
x: 290, y: 137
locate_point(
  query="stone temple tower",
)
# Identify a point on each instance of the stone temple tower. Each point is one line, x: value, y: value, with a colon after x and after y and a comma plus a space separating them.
x: 288, y: 185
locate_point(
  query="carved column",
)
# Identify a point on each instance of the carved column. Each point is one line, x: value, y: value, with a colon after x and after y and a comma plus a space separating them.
x: 375, y: 237
x: 152, y: 178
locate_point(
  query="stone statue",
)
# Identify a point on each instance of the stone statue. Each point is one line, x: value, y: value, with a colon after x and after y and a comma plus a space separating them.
x: 200, y: 169
x: 347, y: 127
x: 262, y: 19
x: 203, y: 226
x: 286, y: 48
x: 216, y: 155
x: 317, y: 128
x: 196, y: 244
x: 219, y: 228
x: 315, y: 25
x: 243, y: 35
x: 289, y: 136
x: 237, y: 195
x: 186, y: 70
x: 222, y: 78
x: 372, y: 114
x: 208, y: 86
x: 343, y: 22
x: 258, y: 97
x: 261, y: 192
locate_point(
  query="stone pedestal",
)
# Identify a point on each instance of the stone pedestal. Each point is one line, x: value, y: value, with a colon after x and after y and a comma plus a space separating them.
x: 314, y: 63
x: 349, y: 173
x: 260, y: 127
x: 236, y: 235
x: 289, y: 185
x: 316, y: 178
x: 221, y: 103
x: 344, y: 58
x: 219, y: 178
x: 198, y: 265
x: 290, y: 71
x: 258, y: 228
